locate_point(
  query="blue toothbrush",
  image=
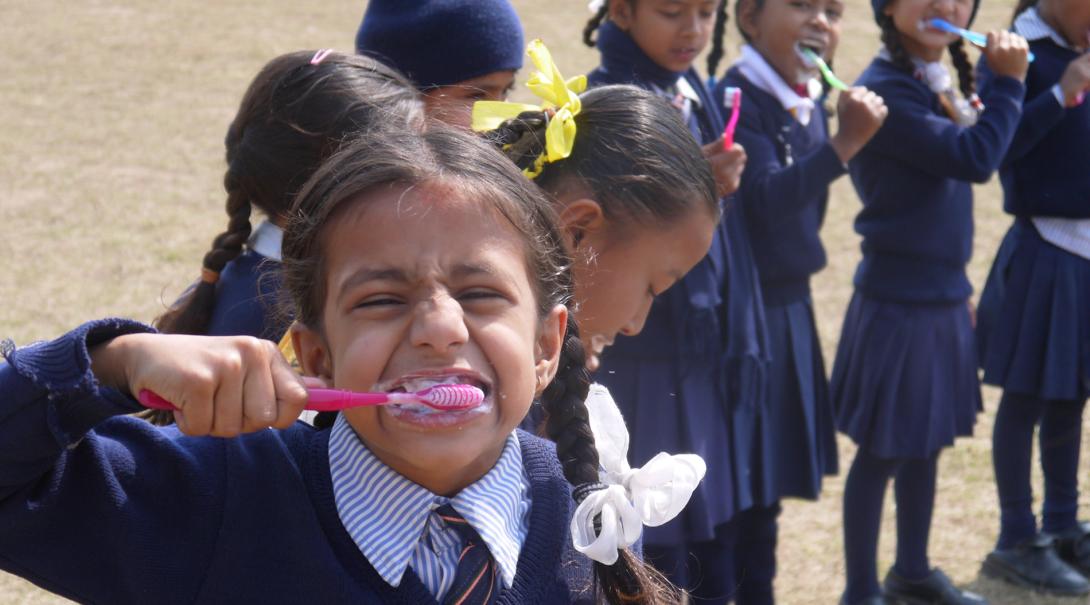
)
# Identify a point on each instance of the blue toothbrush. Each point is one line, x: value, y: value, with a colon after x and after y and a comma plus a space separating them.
x: 970, y: 36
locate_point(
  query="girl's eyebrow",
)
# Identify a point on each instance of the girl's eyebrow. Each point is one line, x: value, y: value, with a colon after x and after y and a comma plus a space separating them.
x: 368, y: 274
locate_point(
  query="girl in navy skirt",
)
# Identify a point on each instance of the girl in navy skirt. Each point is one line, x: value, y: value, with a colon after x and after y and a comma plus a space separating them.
x: 785, y: 188
x: 693, y: 379
x: 904, y: 380
x: 1034, y: 326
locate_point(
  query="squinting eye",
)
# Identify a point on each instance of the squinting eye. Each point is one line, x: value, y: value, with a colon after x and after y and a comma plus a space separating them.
x: 479, y: 295
x: 377, y: 302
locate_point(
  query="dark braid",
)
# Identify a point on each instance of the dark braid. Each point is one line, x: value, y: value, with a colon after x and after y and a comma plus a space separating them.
x: 593, y: 23
x: 1023, y: 5
x: 891, y: 38
x: 716, y: 52
x: 960, y: 59
x: 522, y: 138
x: 629, y: 580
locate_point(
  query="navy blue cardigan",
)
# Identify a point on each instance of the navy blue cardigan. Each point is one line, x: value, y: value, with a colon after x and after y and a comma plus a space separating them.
x: 914, y: 180
x: 104, y: 508
x: 1047, y: 168
x: 785, y: 189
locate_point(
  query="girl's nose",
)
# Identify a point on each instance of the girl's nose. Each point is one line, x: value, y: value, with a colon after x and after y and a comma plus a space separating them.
x: 820, y: 20
x: 635, y: 325
x: 439, y: 324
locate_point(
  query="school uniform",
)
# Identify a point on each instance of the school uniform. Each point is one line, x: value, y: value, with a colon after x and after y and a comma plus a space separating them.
x: 248, y: 290
x: 101, y: 507
x: 1033, y: 329
x: 904, y: 381
x: 694, y: 378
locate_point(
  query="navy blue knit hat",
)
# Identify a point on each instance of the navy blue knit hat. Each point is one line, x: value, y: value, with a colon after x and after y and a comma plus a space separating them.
x: 442, y: 42
x: 880, y: 5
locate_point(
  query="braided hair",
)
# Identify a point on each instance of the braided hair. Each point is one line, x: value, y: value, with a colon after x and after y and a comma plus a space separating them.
x: 444, y: 155
x: 592, y: 24
x: 719, y: 33
x: 891, y: 38
x: 293, y: 115
x: 631, y: 150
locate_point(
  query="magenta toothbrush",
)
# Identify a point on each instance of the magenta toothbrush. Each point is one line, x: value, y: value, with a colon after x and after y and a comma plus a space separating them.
x: 732, y: 98
x: 442, y: 397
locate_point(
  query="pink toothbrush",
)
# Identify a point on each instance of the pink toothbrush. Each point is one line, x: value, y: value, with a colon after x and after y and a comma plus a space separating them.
x: 443, y: 397
x: 732, y: 97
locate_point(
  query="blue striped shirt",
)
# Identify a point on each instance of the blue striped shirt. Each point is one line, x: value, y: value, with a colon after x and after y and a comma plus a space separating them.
x: 391, y: 519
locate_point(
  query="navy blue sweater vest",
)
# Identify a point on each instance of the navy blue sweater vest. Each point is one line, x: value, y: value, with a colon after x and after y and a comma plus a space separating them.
x: 914, y: 180
x: 785, y: 189
x: 1047, y: 168
x: 103, y: 508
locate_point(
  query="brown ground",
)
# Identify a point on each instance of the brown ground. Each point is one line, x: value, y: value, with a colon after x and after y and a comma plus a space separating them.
x: 110, y: 192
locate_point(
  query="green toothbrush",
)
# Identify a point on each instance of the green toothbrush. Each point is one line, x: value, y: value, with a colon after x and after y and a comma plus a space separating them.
x: 830, y: 77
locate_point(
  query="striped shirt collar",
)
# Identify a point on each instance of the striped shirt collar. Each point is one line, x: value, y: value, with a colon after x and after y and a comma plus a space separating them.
x: 390, y: 518
x: 1032, y: 27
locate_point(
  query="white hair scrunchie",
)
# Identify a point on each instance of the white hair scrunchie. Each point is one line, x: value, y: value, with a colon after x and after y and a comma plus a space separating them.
x: 595, y: 5
x: 632, y: 497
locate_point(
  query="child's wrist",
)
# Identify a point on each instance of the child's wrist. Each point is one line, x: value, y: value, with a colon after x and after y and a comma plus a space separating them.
x: 107, y: 363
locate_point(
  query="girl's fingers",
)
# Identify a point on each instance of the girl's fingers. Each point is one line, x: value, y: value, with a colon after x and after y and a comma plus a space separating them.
x: 226, y: 416
x: 258, y: 399
x: 290, y: 392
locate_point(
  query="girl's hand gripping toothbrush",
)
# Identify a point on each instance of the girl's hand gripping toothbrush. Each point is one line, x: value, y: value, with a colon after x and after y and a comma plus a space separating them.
x: 732, y: 98
x: 811, y: 57
x: 441, y: 397
x: 971, y: 37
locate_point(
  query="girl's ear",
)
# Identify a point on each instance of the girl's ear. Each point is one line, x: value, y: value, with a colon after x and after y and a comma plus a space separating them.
x: 550, y: 339
x: 620, y: 12
x: 579, y: 218
x: 311, y: 352
x: 747, y: 17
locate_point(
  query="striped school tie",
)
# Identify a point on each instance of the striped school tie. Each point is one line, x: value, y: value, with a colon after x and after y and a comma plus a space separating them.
x: 475, y: 581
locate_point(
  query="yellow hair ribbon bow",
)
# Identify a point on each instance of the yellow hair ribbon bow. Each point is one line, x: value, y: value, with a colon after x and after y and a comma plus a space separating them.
x: 559, y: 95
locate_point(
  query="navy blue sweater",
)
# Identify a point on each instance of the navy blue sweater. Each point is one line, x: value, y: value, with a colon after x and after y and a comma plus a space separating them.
x: 785, y: 189
x: 103, y: 508
x: 914, y: 180
x: 1047, y: 168
x: 246, y: 299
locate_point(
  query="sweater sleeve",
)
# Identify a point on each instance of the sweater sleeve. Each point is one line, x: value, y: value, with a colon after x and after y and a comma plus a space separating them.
x: 1039, y: 116
x: 914, y: 134
x: 94, y: 505
x: 770, y: 188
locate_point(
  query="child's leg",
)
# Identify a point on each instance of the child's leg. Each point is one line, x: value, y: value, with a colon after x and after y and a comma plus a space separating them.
x: 1060, y: 439
x: 1012, y: 448
x: 863, y: 494
x: 914, y: 489
x: 755, y: 555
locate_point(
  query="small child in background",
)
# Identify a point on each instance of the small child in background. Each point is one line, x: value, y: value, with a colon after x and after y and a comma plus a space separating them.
x: 702, y: 355
x: 1033, y: 327
x: 411, y: 260
x: 904, y: 381
x: 455, y: 51
x: 791, y: 163
x: 295, y: 113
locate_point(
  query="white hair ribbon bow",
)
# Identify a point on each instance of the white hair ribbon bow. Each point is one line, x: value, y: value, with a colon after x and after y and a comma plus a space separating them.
x: 633, y: 497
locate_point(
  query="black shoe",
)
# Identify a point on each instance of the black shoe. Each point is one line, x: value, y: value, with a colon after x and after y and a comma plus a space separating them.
x: 1073, y: 546
x: 935, y: 589
x: 1035, y: 564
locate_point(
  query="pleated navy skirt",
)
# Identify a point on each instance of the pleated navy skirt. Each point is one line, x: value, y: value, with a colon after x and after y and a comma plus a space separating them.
x: 796, y: 436
x: 904, y: 381
x: 1033, y: 324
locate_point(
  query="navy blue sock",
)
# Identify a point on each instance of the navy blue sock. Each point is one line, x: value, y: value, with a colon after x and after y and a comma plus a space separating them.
x: 864, y: 491
x: 1060, y: 438
x: 755, y: 555
x: 914, y: 488
x: 1012, y: 451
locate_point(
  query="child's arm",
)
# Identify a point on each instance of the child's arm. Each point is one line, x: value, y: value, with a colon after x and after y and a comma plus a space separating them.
x: 96, y: 509
x: 914, y: 134
x: 769, y: 187
x: 1042, y: 113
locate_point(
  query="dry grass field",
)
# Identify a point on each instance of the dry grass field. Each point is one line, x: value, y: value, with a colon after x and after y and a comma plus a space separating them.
x: 110, y: 168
